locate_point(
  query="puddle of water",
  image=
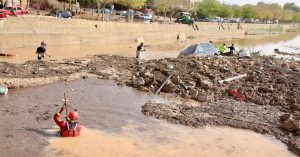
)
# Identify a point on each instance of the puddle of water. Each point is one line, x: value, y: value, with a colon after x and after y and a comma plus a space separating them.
x: 288, y: 42
x: 173, y: 142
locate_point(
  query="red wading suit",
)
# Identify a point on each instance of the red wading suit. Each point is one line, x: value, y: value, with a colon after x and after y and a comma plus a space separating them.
x: 66, y: 128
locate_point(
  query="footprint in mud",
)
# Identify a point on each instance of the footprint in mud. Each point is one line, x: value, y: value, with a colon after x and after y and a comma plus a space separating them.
x: 46, y: 115
x: 10, y: 112
x: 31, y: 110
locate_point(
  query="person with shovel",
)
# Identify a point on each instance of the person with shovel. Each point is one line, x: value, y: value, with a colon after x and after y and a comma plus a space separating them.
x: 41, y: 51
x: 70, y: 127
x: 139, y: 50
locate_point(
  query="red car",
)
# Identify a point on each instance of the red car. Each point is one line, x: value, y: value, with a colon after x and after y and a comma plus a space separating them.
x: 2, y: 13
x: 17, y: 9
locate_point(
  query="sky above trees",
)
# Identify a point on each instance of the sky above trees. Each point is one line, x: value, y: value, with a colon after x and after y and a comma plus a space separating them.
x: 255, y: 1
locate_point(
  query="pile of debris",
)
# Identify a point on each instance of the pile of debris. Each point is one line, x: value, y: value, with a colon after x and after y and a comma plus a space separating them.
x: 268, y: 81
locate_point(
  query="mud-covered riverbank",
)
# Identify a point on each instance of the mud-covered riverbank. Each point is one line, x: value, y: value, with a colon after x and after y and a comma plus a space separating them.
x: 271, y: 88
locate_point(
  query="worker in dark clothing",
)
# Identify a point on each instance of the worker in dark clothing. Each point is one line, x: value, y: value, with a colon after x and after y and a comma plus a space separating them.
x: 139, y: 50
x: 41, y: 51
x: 231, y: 49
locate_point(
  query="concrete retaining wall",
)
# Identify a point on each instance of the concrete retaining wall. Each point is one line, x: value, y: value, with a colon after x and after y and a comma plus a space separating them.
x: 31, y: 30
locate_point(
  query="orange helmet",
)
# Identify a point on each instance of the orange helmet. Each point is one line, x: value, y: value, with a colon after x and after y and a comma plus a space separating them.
x: 73, y: 115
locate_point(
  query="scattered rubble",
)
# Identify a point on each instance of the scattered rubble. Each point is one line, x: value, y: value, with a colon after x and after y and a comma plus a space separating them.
x: 267, y: 81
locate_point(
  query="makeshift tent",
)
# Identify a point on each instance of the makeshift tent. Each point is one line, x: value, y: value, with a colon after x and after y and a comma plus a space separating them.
x: 201, y: 49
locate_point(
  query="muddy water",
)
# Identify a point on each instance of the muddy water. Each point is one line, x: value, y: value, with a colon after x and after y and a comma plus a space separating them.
x: 285, y: 42
x: 288, y: 42
x: 20, y: 55
x: 172, y: 141
x: 114, y: 126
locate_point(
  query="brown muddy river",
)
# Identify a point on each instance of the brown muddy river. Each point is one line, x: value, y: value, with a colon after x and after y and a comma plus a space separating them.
x: 114, y: 126
x: 266, y: 44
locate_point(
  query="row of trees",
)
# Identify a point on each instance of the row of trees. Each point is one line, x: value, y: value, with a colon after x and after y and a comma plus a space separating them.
x: 212, y: 8
x: 136, y: 4
x: 206, y: 8
x: 262, y: 11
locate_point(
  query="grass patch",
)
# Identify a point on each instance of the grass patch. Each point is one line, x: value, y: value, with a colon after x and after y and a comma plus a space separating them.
x: 192, y: 37
x: 261, y: 31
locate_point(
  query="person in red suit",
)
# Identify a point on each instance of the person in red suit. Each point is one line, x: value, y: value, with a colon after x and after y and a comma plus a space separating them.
x: 70, y: 128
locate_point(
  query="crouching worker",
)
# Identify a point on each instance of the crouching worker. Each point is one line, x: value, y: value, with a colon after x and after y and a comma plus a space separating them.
x: 70, y: 128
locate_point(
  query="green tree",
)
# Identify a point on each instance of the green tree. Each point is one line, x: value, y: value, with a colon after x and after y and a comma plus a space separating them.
x: 296, y: 17
x: 225, y: 11
x: 291, y: 6
x: 208, y: 8
x: 287, y: 15
x: 136, y: 4
x: 248, y: 11
x: 237, y: 10
x: 277, y: 11
x: 174, y: 6
x: 150, y: 4
x: 262, y: 11
x: 162, y: 6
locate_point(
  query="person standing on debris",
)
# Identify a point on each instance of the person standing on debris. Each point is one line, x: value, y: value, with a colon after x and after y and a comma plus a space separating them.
x: 139, y: 50
x: 231, y: 49
x: 41, y: 51
x: 70, y: 128
x: 222, y: 48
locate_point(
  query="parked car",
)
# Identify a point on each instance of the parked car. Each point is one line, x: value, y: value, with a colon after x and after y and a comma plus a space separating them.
x: 121, y: 13
x: 185, y: 18
x: 201, y: 49
x: 217, y: 19
x: 66, y: 14
x: 225, y: 20
x: 60, y: 13
x: 204, y: 20
x: 106, y: 11
x: 147, y: 17
x: 5, y: 11
x: 249, y: 21
x: 138, y: 14
x: 2, y: 14
x: 234, y: 20
x: 16, y: 10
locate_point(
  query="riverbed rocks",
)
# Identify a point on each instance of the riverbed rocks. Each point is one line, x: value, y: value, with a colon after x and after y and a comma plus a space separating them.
x: 267, y: 82
x: 291, y: 125
x: 138, y: 81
